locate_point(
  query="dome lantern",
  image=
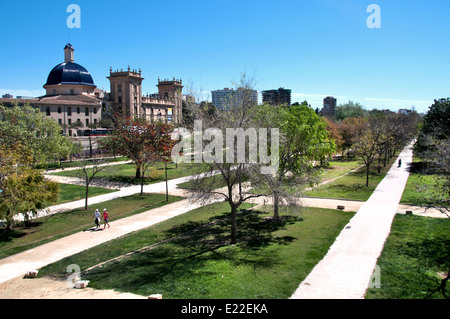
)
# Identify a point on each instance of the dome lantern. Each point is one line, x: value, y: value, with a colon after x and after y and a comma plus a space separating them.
x: 69, y: 55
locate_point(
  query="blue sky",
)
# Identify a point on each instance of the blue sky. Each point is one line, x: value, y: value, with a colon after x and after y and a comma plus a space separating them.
x: 315, y: 48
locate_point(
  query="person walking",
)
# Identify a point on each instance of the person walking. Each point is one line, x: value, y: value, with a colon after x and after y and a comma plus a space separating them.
x: 97, y: 218
x: 399, y: 162
x: 105, y: 218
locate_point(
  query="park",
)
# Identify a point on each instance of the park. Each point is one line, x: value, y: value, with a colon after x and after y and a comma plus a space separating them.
x: 316, y: 229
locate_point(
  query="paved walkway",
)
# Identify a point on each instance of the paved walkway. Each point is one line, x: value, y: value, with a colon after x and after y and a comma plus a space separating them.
x: 346, y: 270
x: 17, y: 265
x: 357, y: 248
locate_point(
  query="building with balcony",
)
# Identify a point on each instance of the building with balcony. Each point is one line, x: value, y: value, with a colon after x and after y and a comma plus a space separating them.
x: 227, y: 97
x: 281, y: 96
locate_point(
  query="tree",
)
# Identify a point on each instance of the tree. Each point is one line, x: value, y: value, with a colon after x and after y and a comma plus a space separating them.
x: 335, y: 133
x: 220, y: 162
x: 106, y: 123
x: 367, y: 145
x: 34, y: 130
x: 350, y: 109
x: 143, y: 142
x: 23, y: 190
x: 436, y: 124
x: 433, y: 146
x: 90, y: 168
x: 349, y: 130
x: 304, y: 141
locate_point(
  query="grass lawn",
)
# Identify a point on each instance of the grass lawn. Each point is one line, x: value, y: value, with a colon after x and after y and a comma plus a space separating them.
x: 352, y: 186
x: 74, y: 163
x: 125, y: 173
x: 414, y: 257
x: 269, y: 261
x: 48, y: 228
x: 335, y: 169
x: 418, y: 181
x: 69, y: 193
x: 340, y: 167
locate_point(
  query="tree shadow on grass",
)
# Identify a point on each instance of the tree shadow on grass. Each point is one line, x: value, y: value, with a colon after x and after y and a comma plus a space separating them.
x: 23, y: 228
x: 192, y: 250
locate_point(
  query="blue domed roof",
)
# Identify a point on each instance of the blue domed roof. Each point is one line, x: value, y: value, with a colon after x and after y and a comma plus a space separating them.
x: 69, y: 73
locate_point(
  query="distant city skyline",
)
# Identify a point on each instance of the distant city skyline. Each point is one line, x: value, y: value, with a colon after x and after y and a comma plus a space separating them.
x: 316, y: 48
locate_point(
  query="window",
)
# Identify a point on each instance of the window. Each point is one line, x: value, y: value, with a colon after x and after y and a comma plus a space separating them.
x: 69, y: 121
x: 59, y: 109
x: 69, y: 111
x: 59, y: 121
x: 87, y: 122
x: 78, y: 110
x: 119, y: 88
x: 120, y: 99
x: 86, y: 111
x: 95, y: 110
x: 47, y: 110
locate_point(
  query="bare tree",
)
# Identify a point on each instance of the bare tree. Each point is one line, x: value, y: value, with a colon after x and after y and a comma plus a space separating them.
x: 90, y: 169
x: 226, y: 175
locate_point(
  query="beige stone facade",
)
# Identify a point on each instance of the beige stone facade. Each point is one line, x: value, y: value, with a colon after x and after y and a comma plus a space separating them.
x: 74, y: 101
x: 127, y: 99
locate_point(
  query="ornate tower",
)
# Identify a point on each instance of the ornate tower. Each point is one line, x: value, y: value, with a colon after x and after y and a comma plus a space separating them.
x: 69, y: 55
x: 126, y: 92
x: 172, y: 90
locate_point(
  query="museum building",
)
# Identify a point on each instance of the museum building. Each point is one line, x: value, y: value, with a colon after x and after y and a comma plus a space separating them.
x: 75, y: 102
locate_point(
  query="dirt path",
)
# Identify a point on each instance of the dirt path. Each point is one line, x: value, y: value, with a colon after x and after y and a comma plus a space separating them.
x: 45, y: 288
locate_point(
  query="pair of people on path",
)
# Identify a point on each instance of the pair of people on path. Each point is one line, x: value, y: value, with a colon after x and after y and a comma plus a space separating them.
x: 98, y: 218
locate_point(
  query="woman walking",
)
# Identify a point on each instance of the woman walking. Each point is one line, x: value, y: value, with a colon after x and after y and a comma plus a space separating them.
x: 105, y: 218
x: 97, y: 218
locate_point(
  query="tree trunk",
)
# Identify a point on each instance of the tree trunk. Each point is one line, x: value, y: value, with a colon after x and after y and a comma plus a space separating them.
x: 87, y: 196
x: 167, y: 184
x: 142, y: 185
x: 276, y: 216
x: 367, y: 174
x: 233, y: 224
x: 138, y: 171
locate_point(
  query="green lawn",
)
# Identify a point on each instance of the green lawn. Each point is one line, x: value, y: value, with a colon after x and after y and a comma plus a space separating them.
x: 340, y: 167
x: 45, y: 229
x: 126, y: 173
x: 352, y: 186
x: 419, y: 185
x: 69, y: 193
x: 336, y: 168
x: 414, y: 257
x: 269, y: 261
x: 74, y: 163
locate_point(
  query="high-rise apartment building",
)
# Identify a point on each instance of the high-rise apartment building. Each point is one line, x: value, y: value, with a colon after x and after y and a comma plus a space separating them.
x: 329, y: 106
x: 281, y: 96
x: 228, y: 97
